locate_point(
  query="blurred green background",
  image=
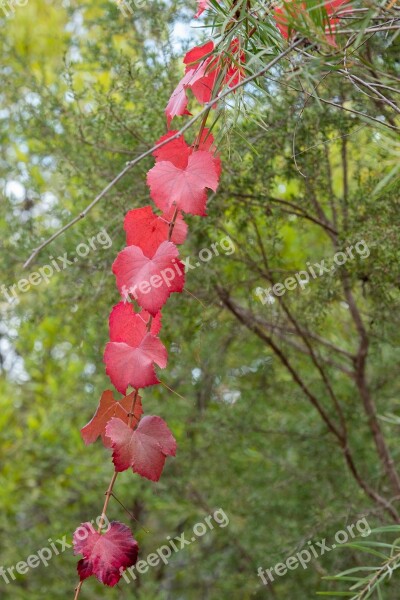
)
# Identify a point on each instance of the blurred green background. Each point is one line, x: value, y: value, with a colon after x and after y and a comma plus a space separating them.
x: 83, y: 91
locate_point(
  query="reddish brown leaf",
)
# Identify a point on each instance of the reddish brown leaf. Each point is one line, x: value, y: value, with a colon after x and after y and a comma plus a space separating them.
x: 107, y: 409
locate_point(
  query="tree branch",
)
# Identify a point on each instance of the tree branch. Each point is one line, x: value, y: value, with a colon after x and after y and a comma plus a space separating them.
x: 237, y: 311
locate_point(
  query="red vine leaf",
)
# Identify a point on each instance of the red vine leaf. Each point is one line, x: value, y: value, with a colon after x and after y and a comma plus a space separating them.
x: 203, y: 87
x: 129, y: 326
x: 202, y: 5
x: 132, y: 351
x: 147, y: 230
x: 206, y: 143
x: 177, y: 104
x: 144, y: 449
x: 109, y: 407
x: 184, y: 188
x: 105, y: 555
x: 203, y: 69
x: 177, y: 151
x: 149, y: 280
x: 196, y: 54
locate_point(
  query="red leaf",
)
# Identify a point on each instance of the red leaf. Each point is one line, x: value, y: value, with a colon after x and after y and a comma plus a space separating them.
x: 177, y: 151
x: 108, y: 408
x: 105, y: 555
x: 144, y: 449
x: 149, y: 280
x: 203, y: 87
x: 201, y: 74
x: 132, y: 351
x: 202, y: 5
x: 184, y: 188
x: 147, y: 230
x: 130, y: 327
x: 204, y: 74
x: 177, y: 104
x: 280, y: 16
x: 196, y: 54
x: 206, y: 143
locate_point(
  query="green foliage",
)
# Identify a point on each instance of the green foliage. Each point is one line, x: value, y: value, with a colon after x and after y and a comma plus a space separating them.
x: 84, y: 92
x: 370, y: 581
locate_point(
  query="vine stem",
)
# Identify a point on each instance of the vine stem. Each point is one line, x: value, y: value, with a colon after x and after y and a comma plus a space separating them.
x: 109, y: 491
x: 204, y: 113
x: 172, y: 224
x: 107, y: 500
x: 78, y: 589
x: 110, y: 488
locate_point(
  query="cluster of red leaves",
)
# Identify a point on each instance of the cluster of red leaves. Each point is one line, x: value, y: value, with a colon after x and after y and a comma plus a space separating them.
x: 147, y: 271
x: 292, y: 9
x: 204, y: 73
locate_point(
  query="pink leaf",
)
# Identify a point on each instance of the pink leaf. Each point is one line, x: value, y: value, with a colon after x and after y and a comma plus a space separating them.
x: 130, y: 355
x: 184, y: 188
x: 202, y: 5
x: 206, y: 143
x: 144, y: 449
x: 202, y: 73
x: 105, y: 555
x: 177, y: 104
x: 177, y: 151
x: 130, y: 327
x: 149, y: 280
x: 147, y: 230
